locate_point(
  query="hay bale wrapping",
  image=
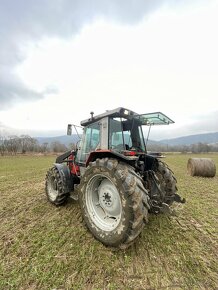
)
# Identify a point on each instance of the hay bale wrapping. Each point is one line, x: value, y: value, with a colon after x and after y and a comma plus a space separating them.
x: 204, y: 167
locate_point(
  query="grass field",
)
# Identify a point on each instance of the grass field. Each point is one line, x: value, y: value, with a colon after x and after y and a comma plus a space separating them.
x: 48, y: 247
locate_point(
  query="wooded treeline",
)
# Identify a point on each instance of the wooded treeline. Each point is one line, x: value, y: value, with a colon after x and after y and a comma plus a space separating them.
x: 13, y: 145
x: 193, y: 148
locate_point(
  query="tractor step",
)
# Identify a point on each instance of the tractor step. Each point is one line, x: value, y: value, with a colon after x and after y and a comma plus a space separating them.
x: 74, y: 196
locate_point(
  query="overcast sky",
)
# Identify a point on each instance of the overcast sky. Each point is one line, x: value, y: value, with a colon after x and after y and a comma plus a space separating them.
x: 61, y: 59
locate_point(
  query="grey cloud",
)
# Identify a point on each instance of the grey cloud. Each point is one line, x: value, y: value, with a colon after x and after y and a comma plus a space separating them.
x: 205, y: 123
x: 201, y: 124
x: 51, y: 89
x: 12, y: 90
x: 29, y: 20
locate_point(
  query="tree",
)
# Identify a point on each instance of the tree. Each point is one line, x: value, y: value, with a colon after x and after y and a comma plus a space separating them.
x: 2, y: 145
x: 72, y: 146
x: 12, y: 144
x: 27, y: 144
x: 44, y: 147
x: 56, y: 147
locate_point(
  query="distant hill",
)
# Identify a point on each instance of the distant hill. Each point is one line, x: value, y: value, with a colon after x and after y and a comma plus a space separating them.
x: 66, y: 140
x: 208, y: 138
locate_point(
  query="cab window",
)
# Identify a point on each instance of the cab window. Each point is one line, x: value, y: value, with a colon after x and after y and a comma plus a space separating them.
x: 90, y: 142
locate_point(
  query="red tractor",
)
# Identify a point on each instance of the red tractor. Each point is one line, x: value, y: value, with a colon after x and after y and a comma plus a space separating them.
x: 116, y: 181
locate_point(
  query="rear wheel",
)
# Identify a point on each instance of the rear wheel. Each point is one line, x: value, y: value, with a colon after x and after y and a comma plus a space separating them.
x: 114, y: 202
x: 54, y: 187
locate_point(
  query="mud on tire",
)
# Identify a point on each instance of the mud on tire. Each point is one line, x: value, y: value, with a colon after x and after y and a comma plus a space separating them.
x: 167, y: 182
x: 54, y: 187
x: 113, y: 202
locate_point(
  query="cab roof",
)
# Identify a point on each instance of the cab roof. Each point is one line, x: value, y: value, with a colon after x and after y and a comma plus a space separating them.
x: 156, y: 118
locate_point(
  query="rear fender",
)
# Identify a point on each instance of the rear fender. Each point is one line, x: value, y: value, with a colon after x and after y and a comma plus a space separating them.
x: 66, y: 177
x: 110, y: 154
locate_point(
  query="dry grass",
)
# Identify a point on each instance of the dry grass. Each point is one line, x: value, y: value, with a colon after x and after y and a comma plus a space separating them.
x: 45, y: 247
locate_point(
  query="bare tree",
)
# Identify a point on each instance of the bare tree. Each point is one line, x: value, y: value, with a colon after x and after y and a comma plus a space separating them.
x: 44, y: 147
x: 2, y: 145
x: 56, y: 146
x: 72, y: 146
x: 27, y: 144
x: 12, y: 144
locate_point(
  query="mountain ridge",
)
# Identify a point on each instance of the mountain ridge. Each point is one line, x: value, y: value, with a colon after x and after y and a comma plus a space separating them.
x: 208, y: 138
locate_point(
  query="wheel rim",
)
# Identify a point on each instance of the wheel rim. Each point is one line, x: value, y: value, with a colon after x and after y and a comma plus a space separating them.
x: 103, y: 203
x: 52, y: 188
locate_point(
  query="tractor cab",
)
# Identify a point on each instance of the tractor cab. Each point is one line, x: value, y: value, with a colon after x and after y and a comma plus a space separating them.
x: 117, y: 131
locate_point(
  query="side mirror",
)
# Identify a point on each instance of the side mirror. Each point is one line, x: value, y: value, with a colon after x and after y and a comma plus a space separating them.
x: 69, y: 129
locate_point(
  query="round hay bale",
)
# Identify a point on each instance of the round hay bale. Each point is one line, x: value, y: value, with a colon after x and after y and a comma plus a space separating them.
x: 204, y: 167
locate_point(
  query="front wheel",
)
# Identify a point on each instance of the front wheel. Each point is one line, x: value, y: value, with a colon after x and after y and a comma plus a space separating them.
x: 114, y: 202
x: 168, y: 182
x: 54, y: 187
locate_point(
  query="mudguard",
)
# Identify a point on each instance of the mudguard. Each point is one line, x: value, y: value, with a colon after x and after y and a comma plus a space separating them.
x: 66, y: 177
x: 62, y: 157
x: 110, y: 154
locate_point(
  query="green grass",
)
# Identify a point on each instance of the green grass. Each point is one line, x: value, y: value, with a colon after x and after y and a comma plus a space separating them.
x: 48, y: 247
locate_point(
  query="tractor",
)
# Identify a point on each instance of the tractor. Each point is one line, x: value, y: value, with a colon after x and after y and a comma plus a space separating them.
x: 117, y: 182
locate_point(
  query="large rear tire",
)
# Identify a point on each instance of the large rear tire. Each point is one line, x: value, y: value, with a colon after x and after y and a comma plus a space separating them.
x: 54, y: 187
x: 114, y: 202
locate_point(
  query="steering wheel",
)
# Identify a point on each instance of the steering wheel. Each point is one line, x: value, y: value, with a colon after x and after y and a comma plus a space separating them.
x: 118, y: 147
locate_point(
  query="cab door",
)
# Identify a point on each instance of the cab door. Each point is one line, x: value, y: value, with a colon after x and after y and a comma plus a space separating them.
x: 90, y: 142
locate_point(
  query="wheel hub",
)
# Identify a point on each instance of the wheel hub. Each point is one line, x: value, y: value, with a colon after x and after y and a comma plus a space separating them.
x: 109, y: 197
